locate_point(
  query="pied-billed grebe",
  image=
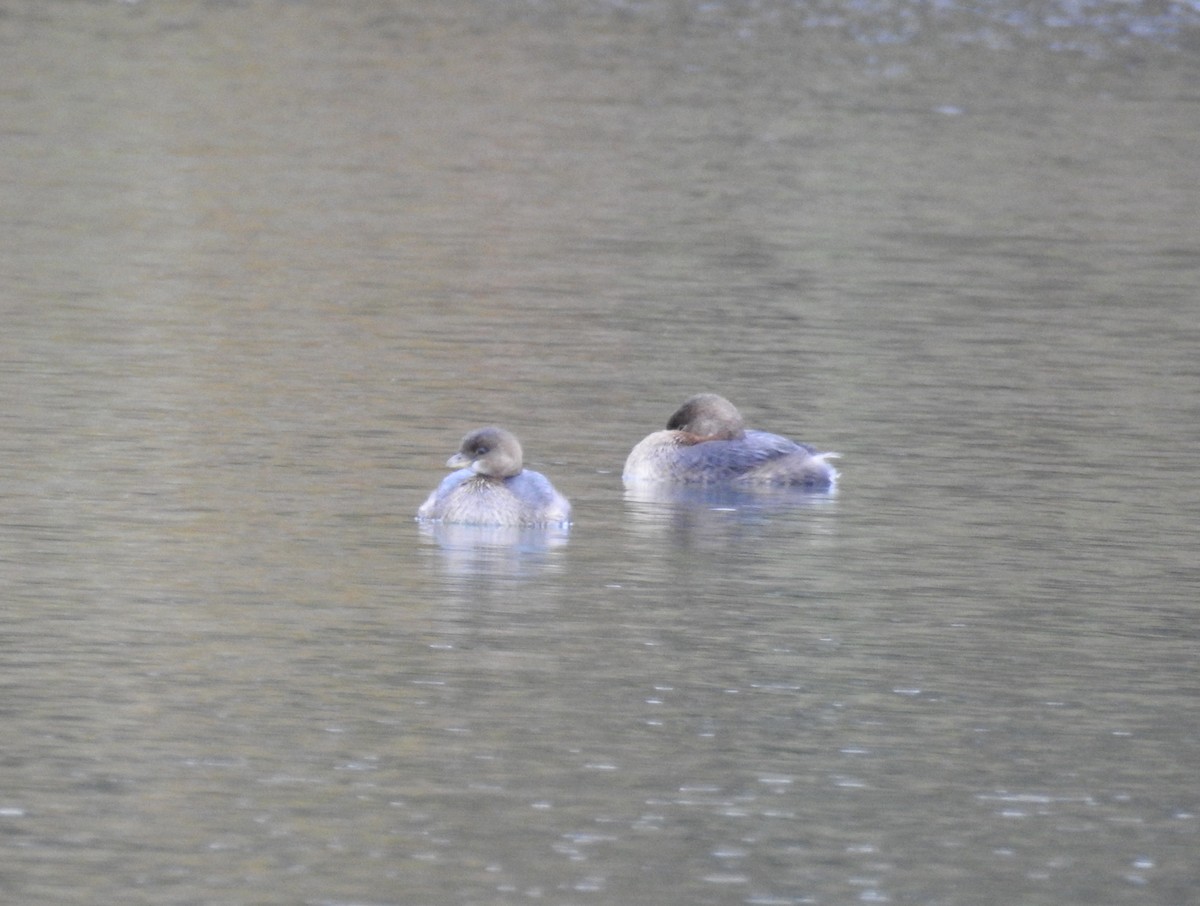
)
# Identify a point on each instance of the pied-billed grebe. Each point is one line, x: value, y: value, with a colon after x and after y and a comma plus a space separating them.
x: 491, y: 487
x: 707, y: 442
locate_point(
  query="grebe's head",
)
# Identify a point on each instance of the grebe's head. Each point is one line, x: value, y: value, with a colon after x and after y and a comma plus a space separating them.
x: 490, y: 451
x: 708, y: 417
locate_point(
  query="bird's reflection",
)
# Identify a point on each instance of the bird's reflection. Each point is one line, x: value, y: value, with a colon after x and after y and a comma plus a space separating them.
x: 469, y: 550
x: 725, y: 497
x: 717, y: 514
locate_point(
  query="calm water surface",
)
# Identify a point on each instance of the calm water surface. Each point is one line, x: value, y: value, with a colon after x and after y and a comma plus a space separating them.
x: 264, y: 263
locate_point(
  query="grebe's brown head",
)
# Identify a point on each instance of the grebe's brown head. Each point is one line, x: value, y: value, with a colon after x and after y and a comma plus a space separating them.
x: 489, y: 451
x: 707, y: 416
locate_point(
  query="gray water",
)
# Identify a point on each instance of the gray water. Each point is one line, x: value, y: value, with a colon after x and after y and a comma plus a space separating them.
x: 264, y: 263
